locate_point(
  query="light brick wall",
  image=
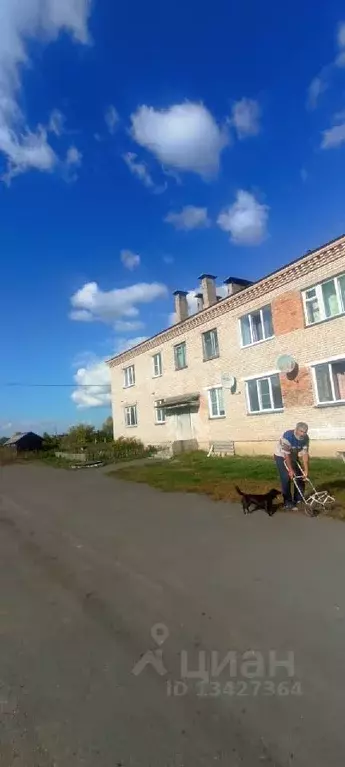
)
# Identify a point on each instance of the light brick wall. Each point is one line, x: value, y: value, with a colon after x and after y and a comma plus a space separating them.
x: 306, y: 344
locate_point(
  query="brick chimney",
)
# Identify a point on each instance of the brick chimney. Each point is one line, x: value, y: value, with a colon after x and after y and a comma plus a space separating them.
x: 199, y: 301
x: 235, y: 284
x: 181, y: 305
x: 208, y: 287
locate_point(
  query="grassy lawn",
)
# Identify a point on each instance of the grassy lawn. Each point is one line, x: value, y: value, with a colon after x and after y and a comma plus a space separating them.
x: 217, y: 477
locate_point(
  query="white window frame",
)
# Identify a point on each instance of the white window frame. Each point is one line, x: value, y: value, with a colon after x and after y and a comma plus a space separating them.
x: 127, y: 411
x: 250, y: 314
x: 320, y: 300
x: 220, y: 415
x: 213, y: 356
x: 158, y: 356
x: 128, y: 375
x: 161, y: 410
x: 182, y: 343
x: 333, y: 402
x: 261, y: 410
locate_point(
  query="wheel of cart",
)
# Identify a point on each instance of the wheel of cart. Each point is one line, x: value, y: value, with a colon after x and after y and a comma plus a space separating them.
x: 315, y: 501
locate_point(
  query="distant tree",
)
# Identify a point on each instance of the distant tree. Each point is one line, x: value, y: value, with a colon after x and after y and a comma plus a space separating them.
x: 108, y: 427
x: 3, y: 440
x: 79, y: 436
x: 50, y: 441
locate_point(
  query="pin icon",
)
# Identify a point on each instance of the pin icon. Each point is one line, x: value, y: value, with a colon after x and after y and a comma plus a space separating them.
x: 159, y: 633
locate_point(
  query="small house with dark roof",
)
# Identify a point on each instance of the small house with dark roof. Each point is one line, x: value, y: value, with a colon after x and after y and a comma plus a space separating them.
x: 24, y: 441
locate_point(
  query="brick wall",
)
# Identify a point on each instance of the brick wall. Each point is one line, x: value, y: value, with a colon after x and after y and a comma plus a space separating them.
x: 287, y: 312
x: 306, y: 344
x: 297, y: 389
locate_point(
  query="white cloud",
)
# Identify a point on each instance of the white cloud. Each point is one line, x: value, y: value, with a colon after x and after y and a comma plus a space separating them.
x: 189, y: 217
x: 127, y: 326
x: 111, y: 118
x: 23, y: 148
x: 245, y: 118
x: 130, y: 260
x: 123, y: 344
x: 245, y: 220
x: 321, y: 82
x: 93, y: 376
x: 56, y: 123
x: 333, y: 137
x: 317, y: 86
x: 93, y: 384
x: 184, y: 136
x: 74, y: 157
x: 91, y: 304
x: 141, y: 171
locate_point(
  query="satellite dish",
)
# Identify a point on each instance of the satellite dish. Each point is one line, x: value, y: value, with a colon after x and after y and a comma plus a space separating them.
x: 228, y: 381
x: 286, y: 363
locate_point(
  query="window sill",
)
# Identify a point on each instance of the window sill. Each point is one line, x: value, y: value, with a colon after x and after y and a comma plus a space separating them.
x: 267, y: 412
x: 216, y: 417
x: 182, y: 368
x: 133, y: 426
x: 214, y: 357
x: 257, y: 343
x: 160, y: 423
x: 129, y: 386
x: 159, y: 375
x: 324, y: 319
x: 339, y: 403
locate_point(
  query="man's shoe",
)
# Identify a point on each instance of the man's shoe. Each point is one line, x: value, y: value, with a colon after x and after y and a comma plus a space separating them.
x: 288, y: 506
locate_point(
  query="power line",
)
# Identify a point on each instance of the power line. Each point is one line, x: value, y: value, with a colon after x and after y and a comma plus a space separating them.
x: 55, y: 386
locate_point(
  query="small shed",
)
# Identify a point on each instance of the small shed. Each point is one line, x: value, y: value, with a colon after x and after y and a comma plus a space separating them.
x: 24, y: 441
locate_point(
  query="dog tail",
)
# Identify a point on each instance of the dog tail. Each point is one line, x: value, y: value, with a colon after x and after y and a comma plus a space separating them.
x: 238, y: 490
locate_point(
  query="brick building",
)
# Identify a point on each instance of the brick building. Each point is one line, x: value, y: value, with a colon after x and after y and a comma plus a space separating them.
x: 219, y: 375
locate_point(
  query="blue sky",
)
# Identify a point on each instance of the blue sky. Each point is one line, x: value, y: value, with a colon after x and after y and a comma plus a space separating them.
x: 143, y: 144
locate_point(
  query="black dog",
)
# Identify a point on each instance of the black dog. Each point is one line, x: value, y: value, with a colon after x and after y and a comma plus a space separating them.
x: 264, y: 501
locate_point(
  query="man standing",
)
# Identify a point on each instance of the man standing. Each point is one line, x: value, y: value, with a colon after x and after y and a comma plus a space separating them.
x: 292, y: 447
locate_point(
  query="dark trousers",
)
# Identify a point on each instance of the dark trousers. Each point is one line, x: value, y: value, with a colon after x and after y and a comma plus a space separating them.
x: 285, y: 480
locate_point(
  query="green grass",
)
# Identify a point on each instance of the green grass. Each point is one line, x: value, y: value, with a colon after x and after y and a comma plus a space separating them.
x: 217, y: 477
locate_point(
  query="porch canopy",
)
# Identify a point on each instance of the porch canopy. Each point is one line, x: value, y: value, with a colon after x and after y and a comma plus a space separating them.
x: 181, y: 400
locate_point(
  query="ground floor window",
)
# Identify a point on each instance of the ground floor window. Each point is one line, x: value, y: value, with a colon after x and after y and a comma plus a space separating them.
x: 216, y: 402
x: 330, y: 382
x: 264, y: 394
x: 159, y: 412
x: 131, y: 415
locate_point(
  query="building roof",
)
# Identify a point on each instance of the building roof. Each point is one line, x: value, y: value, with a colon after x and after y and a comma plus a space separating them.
x: 310, y: 260
x: 18, y: 436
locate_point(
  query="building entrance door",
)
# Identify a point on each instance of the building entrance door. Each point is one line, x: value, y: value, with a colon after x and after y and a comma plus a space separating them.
x: 183, y: 425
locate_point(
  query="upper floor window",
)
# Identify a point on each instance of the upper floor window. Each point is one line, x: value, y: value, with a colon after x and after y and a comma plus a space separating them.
x: 325, y: 300
x: 129, y: 376
x: 180, y: 354
x: 264, y: 394
x: 157, y: 365
x: 131, y: 415
x: 210, y: 344
x: 216, y: 402
x: 330, y: 382
x: 159, y: 412
x: 257, y: 326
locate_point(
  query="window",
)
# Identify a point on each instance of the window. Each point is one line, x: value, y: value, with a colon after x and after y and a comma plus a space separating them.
x: 159, y: 412
x: 180, y: 356
x: 264, y: 394
x: 131, y: 415
x: 257, y: 326
x: 210, y: 344
x: 325, y: 300
x: 330, y: 382
x: 216, y: 402
x: 129, y: 376
x: 157, y: 365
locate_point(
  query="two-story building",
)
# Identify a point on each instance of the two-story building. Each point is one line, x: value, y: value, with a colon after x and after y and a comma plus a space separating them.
x: 245, y: 367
